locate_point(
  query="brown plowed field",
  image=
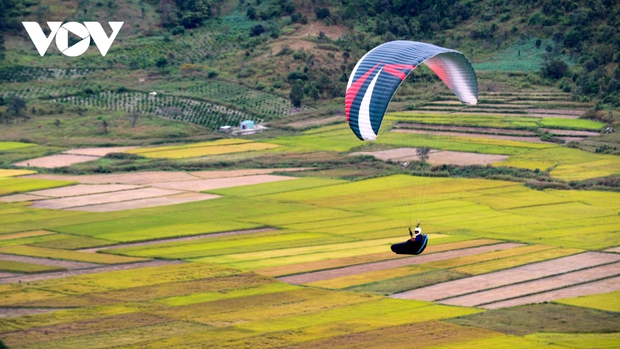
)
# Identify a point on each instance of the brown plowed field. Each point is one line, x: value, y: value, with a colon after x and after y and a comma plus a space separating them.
x: 509, y: 276
x: 596, y: 287
x: 536, y: 286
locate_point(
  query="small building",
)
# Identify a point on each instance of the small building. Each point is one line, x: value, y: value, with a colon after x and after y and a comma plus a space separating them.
x: 246, y: 125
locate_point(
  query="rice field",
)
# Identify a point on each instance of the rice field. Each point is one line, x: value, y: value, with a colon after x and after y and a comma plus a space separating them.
x: 67, y: 255
x: 9, y: 185
x: 606, y: 301
x: 20, y: 267
x: 14, y: 145
x: 218, y: 147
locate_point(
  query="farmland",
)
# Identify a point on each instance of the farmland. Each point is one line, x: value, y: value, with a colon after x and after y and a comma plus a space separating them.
x: 130, y: 219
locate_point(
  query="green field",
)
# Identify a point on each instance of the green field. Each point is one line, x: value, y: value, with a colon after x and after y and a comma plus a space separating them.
x: 606, y: 301
x: 21, y: 267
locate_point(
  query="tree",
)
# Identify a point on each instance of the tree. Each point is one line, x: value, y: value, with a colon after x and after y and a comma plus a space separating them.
x: 172, y: 112
x: 104, y: 124
x: 16, y: 106
x: 133, y: 117
x: 423, y: 153
x: 161, y: 62
x: 297, y: 94
x: 556, y: 69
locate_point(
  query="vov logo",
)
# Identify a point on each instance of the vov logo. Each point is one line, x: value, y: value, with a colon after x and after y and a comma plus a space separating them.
x: 61, y: 31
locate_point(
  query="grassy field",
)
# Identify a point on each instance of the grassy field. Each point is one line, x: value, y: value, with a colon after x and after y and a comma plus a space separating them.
x: 9, y: 185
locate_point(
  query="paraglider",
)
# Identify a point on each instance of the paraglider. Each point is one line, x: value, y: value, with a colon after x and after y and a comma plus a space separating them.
x: 415, y: 245
x: 375, y: 79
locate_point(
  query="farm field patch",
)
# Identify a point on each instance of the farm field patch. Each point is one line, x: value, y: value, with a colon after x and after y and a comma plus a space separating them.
x: 67, y: 255
x: 202, y: 149
x: 217, y: 183
x: 436, y: 157
x: 174, y: 199
x: 20, y: 267
x: 14, y: 145
x: 10, y: 185
x: 578, y: 340
x: 543, y: 318
x: 15, y: 173
x: 58, y: 160
x: 606, y: 301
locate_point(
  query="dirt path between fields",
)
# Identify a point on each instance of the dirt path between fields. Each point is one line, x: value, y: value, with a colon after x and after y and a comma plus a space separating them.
x: 390, y: 264
x: 187, y: 238
x: 63, y: 274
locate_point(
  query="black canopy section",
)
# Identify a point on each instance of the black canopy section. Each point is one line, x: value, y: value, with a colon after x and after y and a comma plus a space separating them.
x: 411, y: 247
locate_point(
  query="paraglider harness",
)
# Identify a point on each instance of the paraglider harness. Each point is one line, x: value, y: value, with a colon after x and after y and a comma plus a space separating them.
x: 412, y: 246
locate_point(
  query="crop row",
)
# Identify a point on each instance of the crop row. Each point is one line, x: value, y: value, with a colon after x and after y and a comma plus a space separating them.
x: 175, y: 108
x: 21, y: 74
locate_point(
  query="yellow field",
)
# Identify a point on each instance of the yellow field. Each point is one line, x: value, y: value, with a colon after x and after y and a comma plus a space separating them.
x: 223, y: 146
x: 15, y: 173
x: 25, y: 234
x: 606, y: 301
x: 578, y: 340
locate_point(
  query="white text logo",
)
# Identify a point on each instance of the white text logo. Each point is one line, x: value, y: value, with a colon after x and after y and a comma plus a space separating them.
x: 61, y: 33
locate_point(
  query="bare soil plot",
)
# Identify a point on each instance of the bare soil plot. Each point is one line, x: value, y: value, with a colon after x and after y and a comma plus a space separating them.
x: 187, y: 238
x: 15, y: 312
x: 536, y: 286
x: 83, y: 189
x: 390, y: 264
x: 63, y: 274
x: 97, y: 151
x: 21, y: 198
x: 240, y: 173
x: 316, y: 122
x: 614, y: 249
x: 97, y: 199
x: 53, y: 161
x: 46, y: 261
x: 124, y: 178
x: 590, y: 288
x: 471, y: 135
x: 510, y: 276
x: 436, y: 157
x: 143, y: 203
x: 571, y: 132
x: 217, y: 183
x: 466, y: 129
x: 6, y: 275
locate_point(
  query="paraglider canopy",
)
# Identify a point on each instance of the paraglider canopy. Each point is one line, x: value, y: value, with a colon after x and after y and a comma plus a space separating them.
x: 377, y: 76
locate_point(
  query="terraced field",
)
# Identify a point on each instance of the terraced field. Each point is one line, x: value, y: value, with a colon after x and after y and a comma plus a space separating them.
x: 249, y: 258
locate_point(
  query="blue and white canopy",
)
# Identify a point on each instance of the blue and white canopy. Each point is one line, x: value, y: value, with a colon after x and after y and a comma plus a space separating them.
x: 377, y: 76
